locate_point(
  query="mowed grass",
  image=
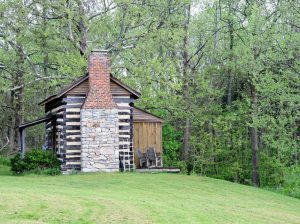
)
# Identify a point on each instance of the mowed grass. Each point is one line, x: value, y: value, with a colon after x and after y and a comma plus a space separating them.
x: 139, y: 198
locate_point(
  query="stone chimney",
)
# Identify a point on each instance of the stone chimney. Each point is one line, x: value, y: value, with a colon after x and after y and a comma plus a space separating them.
x: 99, y: 119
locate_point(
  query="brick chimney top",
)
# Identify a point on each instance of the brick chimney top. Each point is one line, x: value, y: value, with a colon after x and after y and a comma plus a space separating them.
x: 99, y: 95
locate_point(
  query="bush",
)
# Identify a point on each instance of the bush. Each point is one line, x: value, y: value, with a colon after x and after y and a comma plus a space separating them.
x: 271, y: 171
x: 291, y: 184
x: 4, y: 161
x: 36, y: 161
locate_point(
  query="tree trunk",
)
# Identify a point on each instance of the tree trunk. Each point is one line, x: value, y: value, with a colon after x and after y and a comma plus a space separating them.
x: 186, y: 87
x: 230, y: 75
x: 254, y: 139
x: 11, y: 129
x: 82, y: 28
x: 18, y: 95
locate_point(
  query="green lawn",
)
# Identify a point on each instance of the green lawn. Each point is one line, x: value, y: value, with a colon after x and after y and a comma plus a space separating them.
x: 139, y: 198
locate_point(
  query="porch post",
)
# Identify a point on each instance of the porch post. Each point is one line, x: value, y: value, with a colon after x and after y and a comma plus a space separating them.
x: 22, y: 142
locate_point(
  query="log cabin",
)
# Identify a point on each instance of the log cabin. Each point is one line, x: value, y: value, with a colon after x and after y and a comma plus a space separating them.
x: 93, y: 125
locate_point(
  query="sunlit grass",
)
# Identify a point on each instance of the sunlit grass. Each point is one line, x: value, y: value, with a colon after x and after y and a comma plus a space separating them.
x: 139, y: 198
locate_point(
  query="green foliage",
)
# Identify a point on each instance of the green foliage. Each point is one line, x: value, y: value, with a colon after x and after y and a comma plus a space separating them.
x: 171, y: 144
x: 36, y: 161
x: 271, y: 170
x: 4, y: 161
x: 291, y: 183
x: 18, y: 165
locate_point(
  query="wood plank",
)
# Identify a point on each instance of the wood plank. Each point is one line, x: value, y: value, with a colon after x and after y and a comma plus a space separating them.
x: 147, y: 135
x: 73, y: 143
x: 123, y: 100
x: 73, y: 136
x: 73, y: 123
x: 74, y: 100
x: 73, y: 151
x: 123, y: 105
x: 73, y: 156
x: 73, y: 110
x: 70, y: 132
x: 73, y: 163
x: 72, y: 116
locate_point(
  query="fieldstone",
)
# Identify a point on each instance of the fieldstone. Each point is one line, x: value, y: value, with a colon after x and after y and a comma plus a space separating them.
x: 99, y: 140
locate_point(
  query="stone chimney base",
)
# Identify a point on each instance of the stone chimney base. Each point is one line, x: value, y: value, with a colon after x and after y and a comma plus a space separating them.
x: 99, y: 140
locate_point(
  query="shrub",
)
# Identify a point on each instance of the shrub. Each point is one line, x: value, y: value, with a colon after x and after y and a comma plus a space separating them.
x: 36, y: 161
x: 18, y: 166
x: 291, y: 184
x: 271, y: 170
x: 4, y: 161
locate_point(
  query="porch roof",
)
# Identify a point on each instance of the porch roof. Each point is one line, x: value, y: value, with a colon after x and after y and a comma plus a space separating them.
x: 37, y: 121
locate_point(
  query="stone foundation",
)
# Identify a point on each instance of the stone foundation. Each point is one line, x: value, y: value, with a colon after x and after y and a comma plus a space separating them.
x: 99, y: 140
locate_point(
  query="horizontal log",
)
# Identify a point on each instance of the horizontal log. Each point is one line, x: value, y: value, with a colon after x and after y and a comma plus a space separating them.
x: 73, y: 106
x: 124, y: 120
x: 73, y: 137
x: 72, y: 147
x: 72, y: 127
x: 74, y: 100
x: 124, y: 127
x: 123, y: 100
x: 71, y: 142
x: 72, y: 132
x: 73, y: 124
x: 73, y: 151
x: 69, y: 112
x: 124, y: 108
x: 72, y: 119
x: 126, y: 139
x: 72, y: 156
x: 73, y: 116
x: 73, y: 162
x: 123, y: 113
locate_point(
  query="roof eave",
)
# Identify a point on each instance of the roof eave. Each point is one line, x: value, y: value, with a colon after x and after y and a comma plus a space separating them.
x: 49, y: 98
x: 159, y: 118
x: 135, y: 94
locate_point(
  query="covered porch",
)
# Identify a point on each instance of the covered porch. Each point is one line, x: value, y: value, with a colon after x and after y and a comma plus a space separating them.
x: 22, y: 130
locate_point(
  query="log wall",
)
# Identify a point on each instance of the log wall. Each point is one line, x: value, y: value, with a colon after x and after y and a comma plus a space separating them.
x: 58, y: 107
x: 68, y: 140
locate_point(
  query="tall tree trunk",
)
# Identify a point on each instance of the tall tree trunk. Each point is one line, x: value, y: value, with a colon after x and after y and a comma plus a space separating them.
x: 44, y: 41
x: 18, y: 94
x: 11, y: 129
x: 231, y: 42
x: 254, y: 139
x: 82, y: 28
x: 186, y: 86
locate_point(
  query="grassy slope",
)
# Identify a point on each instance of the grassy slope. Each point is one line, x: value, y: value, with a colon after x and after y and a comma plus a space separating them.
x: 139, y: 198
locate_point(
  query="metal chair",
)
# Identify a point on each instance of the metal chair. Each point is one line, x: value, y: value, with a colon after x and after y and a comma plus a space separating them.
x: 153, y: 158
x: 142, y: 158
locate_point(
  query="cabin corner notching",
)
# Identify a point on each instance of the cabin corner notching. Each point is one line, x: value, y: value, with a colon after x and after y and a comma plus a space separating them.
x: 95, y: 119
